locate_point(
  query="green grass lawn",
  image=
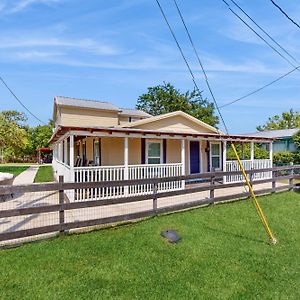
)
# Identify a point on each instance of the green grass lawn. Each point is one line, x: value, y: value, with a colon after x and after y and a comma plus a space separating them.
x: 223, y: 254
x: 44, y: 174
x: 16, y: 170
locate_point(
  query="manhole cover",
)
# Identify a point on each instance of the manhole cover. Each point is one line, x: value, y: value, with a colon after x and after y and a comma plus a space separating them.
x: 171, y: 235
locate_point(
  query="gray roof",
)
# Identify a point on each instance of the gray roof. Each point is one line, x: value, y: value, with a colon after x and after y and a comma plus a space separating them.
x: 94, y: 104
x: 134, y: 112
x: 277, y: 134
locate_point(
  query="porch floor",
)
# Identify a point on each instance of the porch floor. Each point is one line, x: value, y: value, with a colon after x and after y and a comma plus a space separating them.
x: 48, y: 198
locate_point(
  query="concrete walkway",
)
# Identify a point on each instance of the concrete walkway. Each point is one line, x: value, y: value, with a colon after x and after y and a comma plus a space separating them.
x: 27, y: 176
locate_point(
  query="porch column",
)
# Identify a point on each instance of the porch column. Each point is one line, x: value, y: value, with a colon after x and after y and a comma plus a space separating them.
x: 72, y: 154
x: 72, y: 172
x: 224, y: 159
x: 183, y: 161
x: 60, y: 147
x: 66, y: 151
x: 271, y: 153
x: 252, y: 151
x: 126, y: 173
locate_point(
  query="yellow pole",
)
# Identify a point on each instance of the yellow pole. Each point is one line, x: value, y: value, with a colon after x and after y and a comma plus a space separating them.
x: 257, y: 206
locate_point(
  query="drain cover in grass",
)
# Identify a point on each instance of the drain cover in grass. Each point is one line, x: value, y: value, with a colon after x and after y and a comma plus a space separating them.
x: 171, y: 235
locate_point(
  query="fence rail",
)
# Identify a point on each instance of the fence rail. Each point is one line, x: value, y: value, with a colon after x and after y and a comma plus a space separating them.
x: 69, y: 216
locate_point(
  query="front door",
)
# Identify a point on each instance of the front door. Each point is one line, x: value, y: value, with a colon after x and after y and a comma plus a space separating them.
x: 194, y: 157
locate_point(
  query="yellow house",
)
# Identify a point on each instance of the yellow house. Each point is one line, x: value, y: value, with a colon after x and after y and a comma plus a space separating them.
x: 96, y: 141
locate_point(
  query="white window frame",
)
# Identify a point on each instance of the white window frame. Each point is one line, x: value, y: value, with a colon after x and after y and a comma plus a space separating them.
x: 211, y: 155
x: 161, y: 150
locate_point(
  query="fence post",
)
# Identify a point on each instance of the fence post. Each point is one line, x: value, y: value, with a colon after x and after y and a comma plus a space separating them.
x: 273, y: 182
x: 61, y: 202
x: 291, y: 180
x: 155, y: 186
x: 212, y: 190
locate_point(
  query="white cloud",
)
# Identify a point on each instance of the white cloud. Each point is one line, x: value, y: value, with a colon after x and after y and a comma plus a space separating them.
x: 86, y: 44
x: 13, y: 6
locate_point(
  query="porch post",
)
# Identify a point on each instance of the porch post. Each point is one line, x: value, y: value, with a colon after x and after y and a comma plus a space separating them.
x: 252, y: 151
x: 224, y: 159
x: 61, y: 151
x: 271, y: 153
x: 183, y: 161
x: 72, y: 172
x: 126, y: 173
x: 65, y: 151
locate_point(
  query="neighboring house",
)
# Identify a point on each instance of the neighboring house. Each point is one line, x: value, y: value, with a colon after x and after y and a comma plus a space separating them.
x: 283, y: 139
x: 97, y: 141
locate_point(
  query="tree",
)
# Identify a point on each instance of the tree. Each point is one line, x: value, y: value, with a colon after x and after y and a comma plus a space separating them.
x: 15, y: 116
x: 166, y: 98
x: 287, y: 120
x: 38, y: 137
x: 13, y: 138
x: 296, y: 140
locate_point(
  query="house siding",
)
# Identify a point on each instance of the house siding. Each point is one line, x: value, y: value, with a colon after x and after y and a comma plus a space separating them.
x: 87, y: 117
x: 176, y: 124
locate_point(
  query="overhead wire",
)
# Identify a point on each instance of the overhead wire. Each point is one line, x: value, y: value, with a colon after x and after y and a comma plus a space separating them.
x: 20, y: 102
x: 257, y: 206
x: 259, y: 89
x: 265, y: 32
x: 201, y: 65
x: 258, y: 35
x: 285, y: 14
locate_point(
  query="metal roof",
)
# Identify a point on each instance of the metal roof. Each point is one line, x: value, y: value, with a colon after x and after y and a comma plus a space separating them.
x: 134, y: 112
x: 275, y: 134
x: 93, y: 104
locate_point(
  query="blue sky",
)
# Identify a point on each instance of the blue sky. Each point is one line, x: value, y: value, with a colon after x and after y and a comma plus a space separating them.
x: 113, y: 50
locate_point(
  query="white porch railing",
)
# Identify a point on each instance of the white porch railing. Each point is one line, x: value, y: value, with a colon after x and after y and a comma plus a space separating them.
x: 248, y: 165
x: 154, y: 171
x: 116, y: 173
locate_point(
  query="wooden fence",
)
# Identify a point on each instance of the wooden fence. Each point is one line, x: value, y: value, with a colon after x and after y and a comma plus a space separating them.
x: 211, y: 184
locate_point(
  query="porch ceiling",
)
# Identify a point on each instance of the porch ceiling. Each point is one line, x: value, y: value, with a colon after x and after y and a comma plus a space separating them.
x: 60, y: 131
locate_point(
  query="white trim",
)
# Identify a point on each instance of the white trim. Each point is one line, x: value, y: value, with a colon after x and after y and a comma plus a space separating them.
x: 149, y: 141
x: 210, y: 155
x: 252, y: 151
x: 224, y: 159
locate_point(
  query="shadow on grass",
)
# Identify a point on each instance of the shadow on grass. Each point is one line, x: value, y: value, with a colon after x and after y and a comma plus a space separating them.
x: 235, y: 235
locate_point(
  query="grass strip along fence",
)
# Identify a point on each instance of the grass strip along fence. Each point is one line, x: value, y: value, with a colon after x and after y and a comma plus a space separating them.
x: 286, y: 173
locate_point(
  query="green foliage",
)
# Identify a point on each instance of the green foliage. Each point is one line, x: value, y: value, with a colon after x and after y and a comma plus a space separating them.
x: 283, y: 158
x: 38, y: 137
x: 166, y: 98
x: 13, y: 138
x: 287, y: 120
x: 296, y: 139
x: 18, y: 139
x: 223, y: 254
x: 44, y: 174
x: 259, y: 152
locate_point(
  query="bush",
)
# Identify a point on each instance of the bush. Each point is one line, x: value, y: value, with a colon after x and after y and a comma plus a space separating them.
x: 284, y: 158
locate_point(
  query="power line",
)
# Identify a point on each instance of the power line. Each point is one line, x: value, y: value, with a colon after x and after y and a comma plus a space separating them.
x: 284, y: 13
x: 201, y: 65
x: 178, y: 45
x: 257, y: 34
x: 20, y: 102
x: 265, y: 32
x: 258, y: 90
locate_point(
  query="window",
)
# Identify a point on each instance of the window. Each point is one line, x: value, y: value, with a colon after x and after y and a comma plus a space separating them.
x: 215, y: 156
x: 154, y: 152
